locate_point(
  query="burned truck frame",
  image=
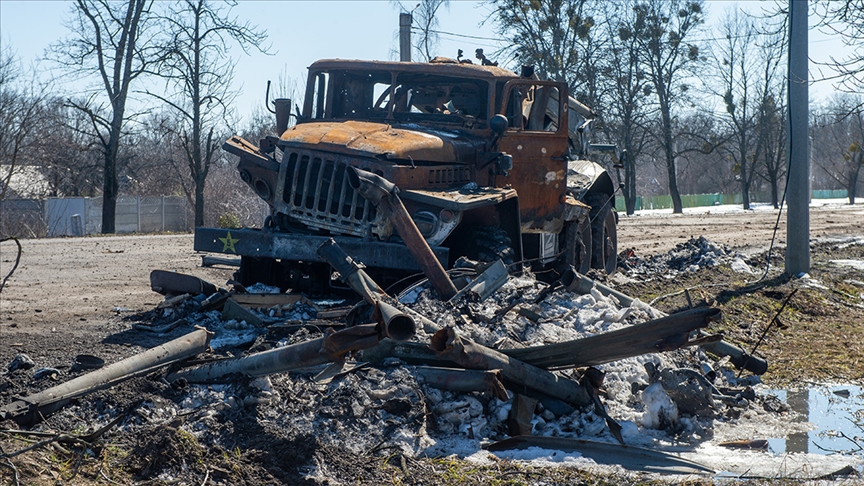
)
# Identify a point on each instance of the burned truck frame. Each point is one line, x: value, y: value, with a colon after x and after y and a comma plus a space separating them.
x: 488, y: 164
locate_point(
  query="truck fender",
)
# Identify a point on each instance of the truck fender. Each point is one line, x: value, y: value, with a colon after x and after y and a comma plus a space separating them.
x: 585, y: 176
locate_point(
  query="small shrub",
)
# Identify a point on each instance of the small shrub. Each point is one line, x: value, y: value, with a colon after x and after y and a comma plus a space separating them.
x: 228, y: 220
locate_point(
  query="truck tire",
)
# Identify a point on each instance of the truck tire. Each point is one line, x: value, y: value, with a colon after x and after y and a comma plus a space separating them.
x: 604, y: 246
x: 492, y: 243
x: 576, y: 245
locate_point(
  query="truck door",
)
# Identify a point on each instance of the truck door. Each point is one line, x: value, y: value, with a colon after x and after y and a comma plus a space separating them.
x: 536, y: 137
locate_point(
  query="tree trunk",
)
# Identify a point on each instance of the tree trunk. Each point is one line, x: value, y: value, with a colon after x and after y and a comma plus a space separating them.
x: 677, y: 207
x: 852, y: 190
x: 109, y: 183
x: 199, y: 203
x: 775, y: 196
x: 745, y: 185
x: 630, y: 185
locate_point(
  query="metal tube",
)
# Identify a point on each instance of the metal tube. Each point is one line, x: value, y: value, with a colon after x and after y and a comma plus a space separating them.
x: 398, y: 326
x: 31, y: 409
x: 385, y: 195
x: 464, y: 381
x: 576, y: 282
x: 329, y: 348
x: 448, y: 345
x: 351, y: 274
x: 664, y: 334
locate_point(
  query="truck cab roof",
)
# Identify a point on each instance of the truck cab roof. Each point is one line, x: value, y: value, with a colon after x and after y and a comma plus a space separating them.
x: 446, y: 67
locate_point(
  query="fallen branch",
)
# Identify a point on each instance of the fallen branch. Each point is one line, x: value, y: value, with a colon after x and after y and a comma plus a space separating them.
x: 17, y: 260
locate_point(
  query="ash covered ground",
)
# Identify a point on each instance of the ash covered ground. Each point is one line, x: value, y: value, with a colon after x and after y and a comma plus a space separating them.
x: 379, y: 422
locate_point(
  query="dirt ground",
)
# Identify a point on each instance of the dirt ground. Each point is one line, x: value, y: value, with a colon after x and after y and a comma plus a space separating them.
x: 69, y: 285
x: 68, y: 296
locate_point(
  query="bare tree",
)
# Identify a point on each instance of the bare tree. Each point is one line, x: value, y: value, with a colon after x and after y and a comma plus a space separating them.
x: 845, y: 19
x: 549, y: 34
x: 838, y: 141
x: 68, y: 155
x: 198, y: 71
x: 662, y: 28
x: 626, y: 93
x: 22, y: 102
x: 737, y: 74
x: 770, y: 151
x: 425, y: 18
x: 109, y: 42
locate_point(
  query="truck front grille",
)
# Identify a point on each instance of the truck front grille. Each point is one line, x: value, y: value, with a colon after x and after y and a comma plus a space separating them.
x: 317, y: 194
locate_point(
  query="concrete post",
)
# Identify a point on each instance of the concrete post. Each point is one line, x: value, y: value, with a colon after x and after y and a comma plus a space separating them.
x: 798, y: 145
x: 405, y: 20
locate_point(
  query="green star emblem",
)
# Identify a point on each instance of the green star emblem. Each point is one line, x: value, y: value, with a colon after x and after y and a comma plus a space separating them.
x: 228, y: 243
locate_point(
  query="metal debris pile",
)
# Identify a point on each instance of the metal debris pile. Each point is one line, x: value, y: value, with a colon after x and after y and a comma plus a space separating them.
x: 688, y: 256
x: 507, y: 363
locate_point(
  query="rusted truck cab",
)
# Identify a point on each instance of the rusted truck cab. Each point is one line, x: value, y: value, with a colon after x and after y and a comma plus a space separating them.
x: 486, y: 162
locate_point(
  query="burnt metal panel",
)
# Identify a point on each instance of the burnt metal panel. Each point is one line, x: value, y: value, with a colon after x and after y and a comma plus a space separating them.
x: 315, y: 191
x: 300, y: 247
x: 460, y: 199
x: 443, y: 69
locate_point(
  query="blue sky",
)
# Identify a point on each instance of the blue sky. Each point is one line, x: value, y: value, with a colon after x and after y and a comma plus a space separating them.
x: 303, y: 31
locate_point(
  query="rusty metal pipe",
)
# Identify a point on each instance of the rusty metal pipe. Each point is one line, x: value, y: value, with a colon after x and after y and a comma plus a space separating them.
x: 658, y: 335
x: 31, y: 409
x: 384, y: 194
x: 398, y: 326
x: 449, y: 345
x: 576, y: 282
x: 464, y: 381
x: 351, y: 274
x: 332, y: 347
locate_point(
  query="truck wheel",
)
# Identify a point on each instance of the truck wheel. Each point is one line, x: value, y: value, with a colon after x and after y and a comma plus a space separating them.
x: 604, y: 246
x: 492, y: 243
x: 576, y: 245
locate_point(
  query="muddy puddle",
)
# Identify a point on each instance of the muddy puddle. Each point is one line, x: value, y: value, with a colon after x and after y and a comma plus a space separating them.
x: 820, y: 434
x: 837, y: 417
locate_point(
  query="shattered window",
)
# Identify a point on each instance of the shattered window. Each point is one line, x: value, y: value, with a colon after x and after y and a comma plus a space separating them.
x: 424, y: 98
x: 415, y: 98
x: 359, y: 96
x: 533, y: 108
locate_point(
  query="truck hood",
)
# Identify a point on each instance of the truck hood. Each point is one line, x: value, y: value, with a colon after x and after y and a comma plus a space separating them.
x: 407, y: 142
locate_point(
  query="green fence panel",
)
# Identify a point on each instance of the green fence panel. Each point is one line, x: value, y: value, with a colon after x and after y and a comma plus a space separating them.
x: 830, y: 194
x: 703, y: 200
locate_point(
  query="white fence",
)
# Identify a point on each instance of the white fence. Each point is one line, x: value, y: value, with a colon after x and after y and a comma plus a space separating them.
x: 83, y: 215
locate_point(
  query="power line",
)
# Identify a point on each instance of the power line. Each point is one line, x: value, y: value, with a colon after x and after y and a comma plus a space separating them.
x: 464, y: 35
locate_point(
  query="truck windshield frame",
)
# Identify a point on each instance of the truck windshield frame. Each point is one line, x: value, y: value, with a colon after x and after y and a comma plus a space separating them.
x: 397, y: 97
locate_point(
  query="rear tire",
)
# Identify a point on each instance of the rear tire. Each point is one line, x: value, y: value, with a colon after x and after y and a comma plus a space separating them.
x: 576, y: 245
x: 492, y: 243
x: 604, y: 246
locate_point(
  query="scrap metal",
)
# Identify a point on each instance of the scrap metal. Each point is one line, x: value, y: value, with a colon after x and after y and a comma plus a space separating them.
x: 449, y: 345
x: 331, y: 348
x: 33, y: 408
x: 385, y: 196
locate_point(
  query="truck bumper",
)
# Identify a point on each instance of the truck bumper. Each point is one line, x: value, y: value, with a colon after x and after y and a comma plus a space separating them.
x: 297, y: 247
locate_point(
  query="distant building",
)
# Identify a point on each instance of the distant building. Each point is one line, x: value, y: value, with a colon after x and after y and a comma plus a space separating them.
x: 27, y: 182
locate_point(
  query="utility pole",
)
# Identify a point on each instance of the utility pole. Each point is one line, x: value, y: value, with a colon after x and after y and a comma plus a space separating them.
x: 798, y: 144
x: 405, y: 20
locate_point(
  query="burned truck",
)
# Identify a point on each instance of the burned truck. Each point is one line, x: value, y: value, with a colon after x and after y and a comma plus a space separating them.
x: 488, y: 163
